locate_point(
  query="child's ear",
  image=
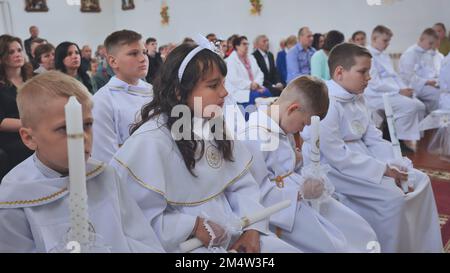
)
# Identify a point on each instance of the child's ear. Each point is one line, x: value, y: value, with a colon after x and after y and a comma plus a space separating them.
x: 293, y: 107
x: 112, y: 61
x: 338, y: 73
x: 27, y: 138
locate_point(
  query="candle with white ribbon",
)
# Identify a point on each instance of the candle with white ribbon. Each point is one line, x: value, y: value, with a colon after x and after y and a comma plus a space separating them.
x: 394, y: 140
x: 315, y: 140
x: 79, y: 219
x: 245, y: 222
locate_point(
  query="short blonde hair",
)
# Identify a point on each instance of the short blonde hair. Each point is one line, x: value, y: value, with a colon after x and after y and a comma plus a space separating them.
x: 33, y: 96
x: 380, y: 30
x: 291, y: 41
x: 310, y: 91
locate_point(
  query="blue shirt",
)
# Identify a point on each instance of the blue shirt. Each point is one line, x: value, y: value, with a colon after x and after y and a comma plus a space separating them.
x: 298, y: 61
x: 281, y: 65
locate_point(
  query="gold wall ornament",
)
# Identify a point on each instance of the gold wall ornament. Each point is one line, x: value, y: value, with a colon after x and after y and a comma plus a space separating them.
x: 256, y: 7
x: 90, y: 6
x: 164, y: 14
x: 36, y: 6
x: 128, y: 4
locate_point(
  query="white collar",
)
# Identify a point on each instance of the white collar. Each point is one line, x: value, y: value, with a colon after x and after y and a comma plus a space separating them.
x: 374, y: 50
x: 33, y: 184
x: 142, y: 88
x: 260, y: 119
x: 338, y: 92
x: 264, y: 54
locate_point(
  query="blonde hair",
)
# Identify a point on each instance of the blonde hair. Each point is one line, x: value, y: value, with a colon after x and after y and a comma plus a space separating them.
x: 291, y: 41
x: 34, y: 95
x: 310, y: 91
x: 380, y: 30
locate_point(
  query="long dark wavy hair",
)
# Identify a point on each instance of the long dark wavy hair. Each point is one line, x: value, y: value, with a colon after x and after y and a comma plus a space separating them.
x: 170, y: 92
x: 61, y: 53
x: 26, y: 71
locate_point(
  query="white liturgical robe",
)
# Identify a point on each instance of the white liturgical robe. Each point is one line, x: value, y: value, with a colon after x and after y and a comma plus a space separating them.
x: 408, y: 112
x: 335, y: 228
x: 34, y: 211
x: 116, y: 107
x: 416, y: 69
x: 172, y: 198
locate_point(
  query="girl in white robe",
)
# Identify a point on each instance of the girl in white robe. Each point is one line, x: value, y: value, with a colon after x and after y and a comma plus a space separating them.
x: 354, y: 148
x: 334, y: 228
x: 181, y: 182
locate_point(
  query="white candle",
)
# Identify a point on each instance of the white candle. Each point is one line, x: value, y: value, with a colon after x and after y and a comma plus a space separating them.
x: 245, y: 222
x: 394, y: 140
x: 315, y: 140
x: 392, y: 132
x: 79, y: 219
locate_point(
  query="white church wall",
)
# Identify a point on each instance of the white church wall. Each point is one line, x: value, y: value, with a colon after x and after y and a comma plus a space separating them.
x: 279, y: 19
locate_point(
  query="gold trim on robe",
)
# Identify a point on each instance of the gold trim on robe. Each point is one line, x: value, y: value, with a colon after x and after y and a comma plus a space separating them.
x: 145, y: 185
x: 52, y: 196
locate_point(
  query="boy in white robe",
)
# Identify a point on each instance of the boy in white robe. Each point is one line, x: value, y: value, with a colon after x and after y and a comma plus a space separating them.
x: 34, y: 203
x: 419, y: 73
x: 118, y: 103
x: 361, y: 161
x: 189, y: 186
x: 444, y: 81
x: 408, y: 110
x: 334, y: 228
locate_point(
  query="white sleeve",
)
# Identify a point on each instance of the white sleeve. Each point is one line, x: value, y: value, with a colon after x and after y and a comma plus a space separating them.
x: 105, y: 143
x: 244, y: 198
x: 380, y: 148
x: 270, y: 193
x: 379, y: 85
x: 348, y: 162
x: 15, y: 232
x: 407, y: 69
x: 139, y: 233
x: 235, y: 78
x: 258, y: 74
x: 171, y: 226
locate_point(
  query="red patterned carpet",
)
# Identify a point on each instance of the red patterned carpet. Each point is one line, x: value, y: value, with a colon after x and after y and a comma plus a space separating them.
x: 439, y: 172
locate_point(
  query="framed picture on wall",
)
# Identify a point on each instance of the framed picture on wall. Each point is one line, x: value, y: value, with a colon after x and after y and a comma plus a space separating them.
x: 36, y: 5
x: 90, y: 6
x: 127, y: 4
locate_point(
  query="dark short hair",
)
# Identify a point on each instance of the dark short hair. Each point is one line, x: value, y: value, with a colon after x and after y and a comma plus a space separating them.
x: 359, y: 32
x: 332, y: 39
x: 441, y: 25
x: 41, y: 50
x: 150, y: 40
x: 344, y: 55
x: 237, y: 42
x: 430, y: 32
x: 120, y: 38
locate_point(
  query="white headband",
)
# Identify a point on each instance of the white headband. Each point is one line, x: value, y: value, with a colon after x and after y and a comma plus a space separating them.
x: 203, y: 43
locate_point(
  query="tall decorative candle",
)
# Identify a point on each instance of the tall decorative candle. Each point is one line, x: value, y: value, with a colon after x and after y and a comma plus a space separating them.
x: 79, y: 219
x: 315, y: 140
x: 394, y: 140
